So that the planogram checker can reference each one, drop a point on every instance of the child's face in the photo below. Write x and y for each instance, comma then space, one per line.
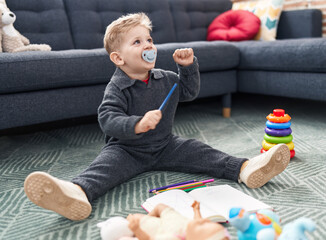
134, 42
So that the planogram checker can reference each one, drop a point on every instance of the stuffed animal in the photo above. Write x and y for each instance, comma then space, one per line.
265, 225
10, 39
296, 230
115, 228
262, 225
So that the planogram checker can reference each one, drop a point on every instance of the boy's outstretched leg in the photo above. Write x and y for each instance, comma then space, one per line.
62, 197
257, 171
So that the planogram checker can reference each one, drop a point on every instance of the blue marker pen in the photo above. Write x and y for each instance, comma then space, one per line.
168, 96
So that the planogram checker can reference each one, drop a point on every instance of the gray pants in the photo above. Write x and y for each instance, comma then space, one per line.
118, 163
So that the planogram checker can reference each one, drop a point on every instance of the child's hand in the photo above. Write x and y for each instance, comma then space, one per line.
196, 205
148, 122
133, 222
184, 56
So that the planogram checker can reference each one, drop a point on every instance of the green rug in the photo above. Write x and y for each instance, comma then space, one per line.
64, 152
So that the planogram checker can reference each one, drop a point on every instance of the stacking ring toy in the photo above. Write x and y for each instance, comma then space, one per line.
278, 132
278, 125
278, 119
267, 145
292, 152
272, 139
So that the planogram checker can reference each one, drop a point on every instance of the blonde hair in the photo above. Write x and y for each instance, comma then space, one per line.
115, 30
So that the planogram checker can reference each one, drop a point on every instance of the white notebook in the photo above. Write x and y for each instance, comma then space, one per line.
215, 202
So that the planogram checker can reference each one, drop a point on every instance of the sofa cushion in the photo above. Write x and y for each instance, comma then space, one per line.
309, 20
286, 84
192, 17
212, 56
268, 11
293, 55
43, 21
32, 71
89, 19
234, 25
217, 64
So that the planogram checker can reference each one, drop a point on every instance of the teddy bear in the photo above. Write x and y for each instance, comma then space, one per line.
10, 39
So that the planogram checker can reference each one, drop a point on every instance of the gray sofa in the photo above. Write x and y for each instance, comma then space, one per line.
69, 82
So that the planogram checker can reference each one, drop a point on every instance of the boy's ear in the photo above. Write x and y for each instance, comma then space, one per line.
116, 59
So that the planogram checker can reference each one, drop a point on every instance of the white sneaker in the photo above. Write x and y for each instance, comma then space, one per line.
264, 167
60, 196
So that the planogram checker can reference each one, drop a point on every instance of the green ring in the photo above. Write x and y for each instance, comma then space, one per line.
272, 139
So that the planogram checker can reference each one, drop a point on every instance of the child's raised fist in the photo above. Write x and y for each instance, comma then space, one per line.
184, 56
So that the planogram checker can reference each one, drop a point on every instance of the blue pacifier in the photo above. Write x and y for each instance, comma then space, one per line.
149, 55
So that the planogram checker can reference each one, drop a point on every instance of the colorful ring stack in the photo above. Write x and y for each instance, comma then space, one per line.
278, 131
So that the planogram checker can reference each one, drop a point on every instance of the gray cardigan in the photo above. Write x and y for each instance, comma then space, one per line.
127, 100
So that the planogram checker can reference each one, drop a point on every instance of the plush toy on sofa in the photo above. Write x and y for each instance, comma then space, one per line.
10, 39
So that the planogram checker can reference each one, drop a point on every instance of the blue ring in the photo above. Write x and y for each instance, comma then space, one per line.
278, 125
278, 132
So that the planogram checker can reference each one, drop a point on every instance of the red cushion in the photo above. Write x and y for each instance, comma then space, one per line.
234, 25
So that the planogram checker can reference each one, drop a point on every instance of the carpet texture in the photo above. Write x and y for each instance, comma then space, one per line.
64, 152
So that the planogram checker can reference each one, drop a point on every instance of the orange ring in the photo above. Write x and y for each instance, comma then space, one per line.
283, 119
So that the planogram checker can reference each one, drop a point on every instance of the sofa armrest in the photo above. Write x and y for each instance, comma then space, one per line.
300, 24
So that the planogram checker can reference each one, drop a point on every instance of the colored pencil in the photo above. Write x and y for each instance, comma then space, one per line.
182, 186
196, 186
168, 96
172, 185
189, 184
207, 181
190, 189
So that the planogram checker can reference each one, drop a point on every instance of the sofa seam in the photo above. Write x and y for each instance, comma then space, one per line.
49, 89
69, 23
47, 59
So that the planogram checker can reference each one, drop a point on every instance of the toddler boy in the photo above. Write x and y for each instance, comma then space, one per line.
139, 136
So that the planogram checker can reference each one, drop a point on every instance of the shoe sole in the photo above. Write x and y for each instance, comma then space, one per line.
275, 163
45, 191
